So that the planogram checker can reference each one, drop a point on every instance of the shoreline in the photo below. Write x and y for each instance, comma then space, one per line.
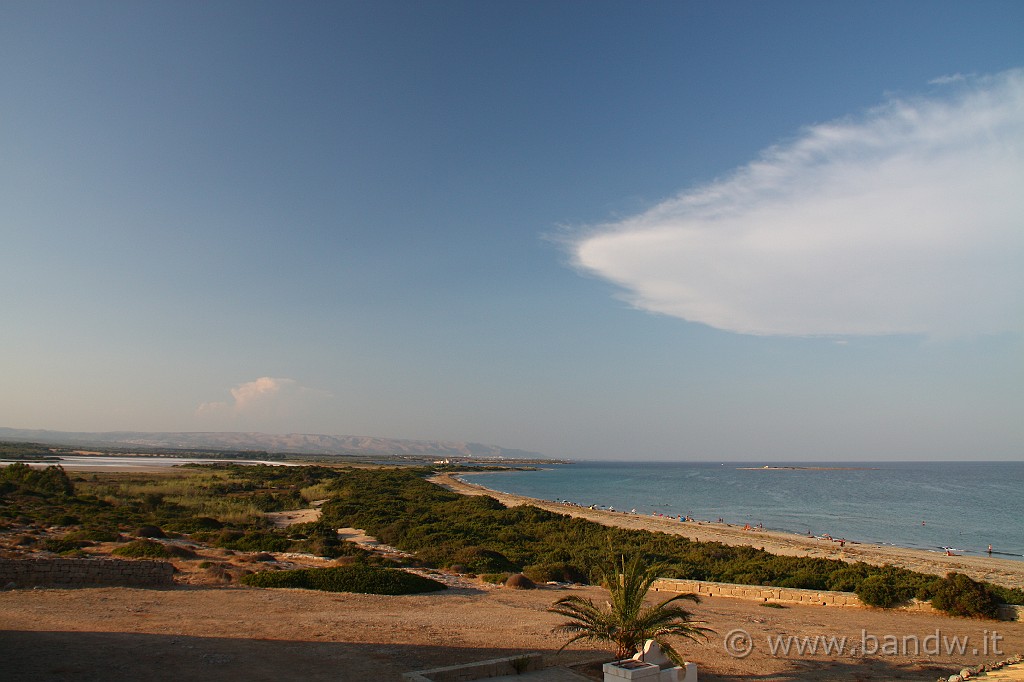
798, 468
1005, 572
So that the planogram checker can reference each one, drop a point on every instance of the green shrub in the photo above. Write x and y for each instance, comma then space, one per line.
927, 589
958, 595
21, 477
334, 548
847, 579
258, 541
59, 545
881, 590
558, 573
481, 560
97, 535
518, 581
195, 524
143, 549
181, 552
1008, 595
226, 537
355, 578
150, 531
805, 579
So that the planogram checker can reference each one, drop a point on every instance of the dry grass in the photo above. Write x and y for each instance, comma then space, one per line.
201, 492
319, 491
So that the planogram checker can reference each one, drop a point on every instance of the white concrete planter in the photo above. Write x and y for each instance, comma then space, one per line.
630, 669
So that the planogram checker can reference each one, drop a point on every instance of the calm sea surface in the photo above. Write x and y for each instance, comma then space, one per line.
925, 505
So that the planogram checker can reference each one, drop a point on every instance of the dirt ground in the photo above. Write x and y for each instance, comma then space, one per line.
230, 632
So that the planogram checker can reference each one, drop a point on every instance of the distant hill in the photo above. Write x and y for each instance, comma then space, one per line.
304, 443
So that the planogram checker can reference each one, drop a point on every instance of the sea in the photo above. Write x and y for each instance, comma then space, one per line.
960, 506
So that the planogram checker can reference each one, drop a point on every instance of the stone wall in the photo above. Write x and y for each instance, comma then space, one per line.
1010, 611
495, 667
784, 595
85, 572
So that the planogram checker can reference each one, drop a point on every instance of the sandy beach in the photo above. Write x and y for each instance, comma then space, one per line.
1007, 572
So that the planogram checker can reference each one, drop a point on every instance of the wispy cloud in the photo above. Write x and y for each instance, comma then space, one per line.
948, 79
263, 398
906, 219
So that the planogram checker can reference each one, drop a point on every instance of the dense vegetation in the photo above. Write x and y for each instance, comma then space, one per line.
224, 505
444, 529
20, 477
356, 578
27, 451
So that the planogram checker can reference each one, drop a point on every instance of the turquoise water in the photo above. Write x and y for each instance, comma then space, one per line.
926, 505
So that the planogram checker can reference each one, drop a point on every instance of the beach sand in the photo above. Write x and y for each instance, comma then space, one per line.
1006, 572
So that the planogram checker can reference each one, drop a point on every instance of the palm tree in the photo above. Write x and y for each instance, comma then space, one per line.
625, 621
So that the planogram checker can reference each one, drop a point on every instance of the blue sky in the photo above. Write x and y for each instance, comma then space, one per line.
659, 230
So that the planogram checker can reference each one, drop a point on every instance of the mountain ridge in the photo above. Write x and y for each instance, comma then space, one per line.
291, 443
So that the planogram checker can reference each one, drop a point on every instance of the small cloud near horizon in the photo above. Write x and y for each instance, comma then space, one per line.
908, 219
265, 398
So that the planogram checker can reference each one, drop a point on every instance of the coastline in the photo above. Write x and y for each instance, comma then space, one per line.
1006, 572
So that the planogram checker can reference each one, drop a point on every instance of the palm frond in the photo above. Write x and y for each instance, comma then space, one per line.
626, 621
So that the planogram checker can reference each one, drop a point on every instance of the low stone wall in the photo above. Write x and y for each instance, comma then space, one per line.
789, 595
758, 593
496, 667
85, 572
1010, 611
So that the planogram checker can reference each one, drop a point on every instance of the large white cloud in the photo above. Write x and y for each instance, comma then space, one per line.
906, 219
